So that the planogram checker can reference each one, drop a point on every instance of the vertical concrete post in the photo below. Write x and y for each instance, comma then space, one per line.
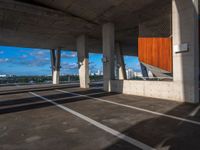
56, 75
108, 55
120, 63
55, 63
185, 37
83, 61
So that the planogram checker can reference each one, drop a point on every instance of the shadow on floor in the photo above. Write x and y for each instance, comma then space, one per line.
36, 89
49, 87
163, 133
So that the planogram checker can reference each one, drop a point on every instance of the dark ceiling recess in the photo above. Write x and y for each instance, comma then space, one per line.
35, 3
38, 4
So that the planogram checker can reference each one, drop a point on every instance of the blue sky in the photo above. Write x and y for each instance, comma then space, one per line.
29, 61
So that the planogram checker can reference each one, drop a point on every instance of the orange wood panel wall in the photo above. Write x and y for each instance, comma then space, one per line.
156, 52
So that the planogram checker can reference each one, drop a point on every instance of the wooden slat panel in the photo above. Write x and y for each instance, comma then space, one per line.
156, 52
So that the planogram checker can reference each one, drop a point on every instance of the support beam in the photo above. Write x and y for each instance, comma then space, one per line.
185, 37
83, 64
108, 55
55, 63
144, 70
120, 63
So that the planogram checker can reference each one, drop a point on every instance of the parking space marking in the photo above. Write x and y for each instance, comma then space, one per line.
59, 99
136, 108
77, 96
99, 125
195, 111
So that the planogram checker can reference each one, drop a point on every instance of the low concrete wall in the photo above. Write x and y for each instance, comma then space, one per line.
156, 89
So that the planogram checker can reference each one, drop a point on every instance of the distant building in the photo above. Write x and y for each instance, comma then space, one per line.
3, 75
92, 74
101, 73
137, 74
130, 73
98, 72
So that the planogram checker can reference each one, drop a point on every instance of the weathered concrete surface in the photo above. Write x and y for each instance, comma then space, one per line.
52, 24
42, 126
167, 90
28, 122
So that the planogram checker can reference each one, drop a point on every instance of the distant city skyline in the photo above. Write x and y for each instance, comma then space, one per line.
30, 61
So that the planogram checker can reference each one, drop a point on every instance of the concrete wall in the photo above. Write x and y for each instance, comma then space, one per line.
156, 89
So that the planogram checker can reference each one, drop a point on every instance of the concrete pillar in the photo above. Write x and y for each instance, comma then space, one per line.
120, 63
108, 55
83, 61
144, 70
186, 49
55, 63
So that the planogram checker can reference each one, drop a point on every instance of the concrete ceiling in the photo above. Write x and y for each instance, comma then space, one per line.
57, 23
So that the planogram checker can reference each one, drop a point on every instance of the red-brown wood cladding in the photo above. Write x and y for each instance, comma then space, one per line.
156, 52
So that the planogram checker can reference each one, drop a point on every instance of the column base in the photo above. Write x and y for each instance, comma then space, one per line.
56, 76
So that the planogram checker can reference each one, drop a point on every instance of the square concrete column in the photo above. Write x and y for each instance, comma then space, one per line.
186, 49
108, 55
55, 63
83, 61
120, 63
53, 60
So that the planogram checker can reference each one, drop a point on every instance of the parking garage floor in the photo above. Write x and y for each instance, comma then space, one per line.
69, 118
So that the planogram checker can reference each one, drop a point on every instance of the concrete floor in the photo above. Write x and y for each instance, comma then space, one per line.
31, 122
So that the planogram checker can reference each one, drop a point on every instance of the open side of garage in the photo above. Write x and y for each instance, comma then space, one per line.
166, 40
165, 37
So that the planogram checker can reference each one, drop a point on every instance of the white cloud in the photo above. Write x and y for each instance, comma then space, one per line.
94, 67
4, 60
66, 65
35, 62
71, 55
39, 53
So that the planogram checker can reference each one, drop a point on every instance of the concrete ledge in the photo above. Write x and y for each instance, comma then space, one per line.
155, 89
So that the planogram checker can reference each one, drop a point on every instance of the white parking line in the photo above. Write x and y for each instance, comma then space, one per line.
99, 125
195, 111
136, 108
